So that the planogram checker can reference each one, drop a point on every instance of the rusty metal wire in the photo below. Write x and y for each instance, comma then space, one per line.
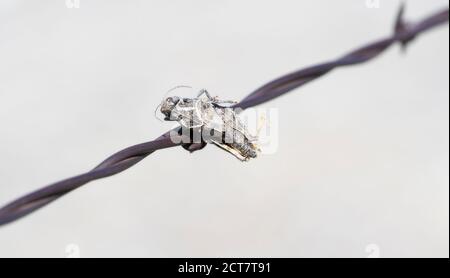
403, 33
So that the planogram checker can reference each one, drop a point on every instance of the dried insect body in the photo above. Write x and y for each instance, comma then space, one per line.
218, 123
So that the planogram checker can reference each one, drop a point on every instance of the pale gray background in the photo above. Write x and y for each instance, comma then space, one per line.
363, 156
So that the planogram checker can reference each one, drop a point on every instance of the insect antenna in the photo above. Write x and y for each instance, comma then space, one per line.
156, 110
177, 87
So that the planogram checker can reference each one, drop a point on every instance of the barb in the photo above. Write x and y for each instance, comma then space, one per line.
403, 33
122, 160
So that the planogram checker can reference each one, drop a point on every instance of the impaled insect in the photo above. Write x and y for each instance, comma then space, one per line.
216, 122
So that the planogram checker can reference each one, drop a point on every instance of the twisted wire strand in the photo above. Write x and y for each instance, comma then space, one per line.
116, 163
403, 33
124, 159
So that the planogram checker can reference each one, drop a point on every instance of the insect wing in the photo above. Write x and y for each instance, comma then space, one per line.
211, 117
232, 122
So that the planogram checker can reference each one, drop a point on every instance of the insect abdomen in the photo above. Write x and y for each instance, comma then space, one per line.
246, 149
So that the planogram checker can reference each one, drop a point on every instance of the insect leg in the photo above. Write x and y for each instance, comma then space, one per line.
205, 92
261, 124
227, 101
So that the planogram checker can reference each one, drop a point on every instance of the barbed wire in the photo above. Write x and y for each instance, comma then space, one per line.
403, 33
